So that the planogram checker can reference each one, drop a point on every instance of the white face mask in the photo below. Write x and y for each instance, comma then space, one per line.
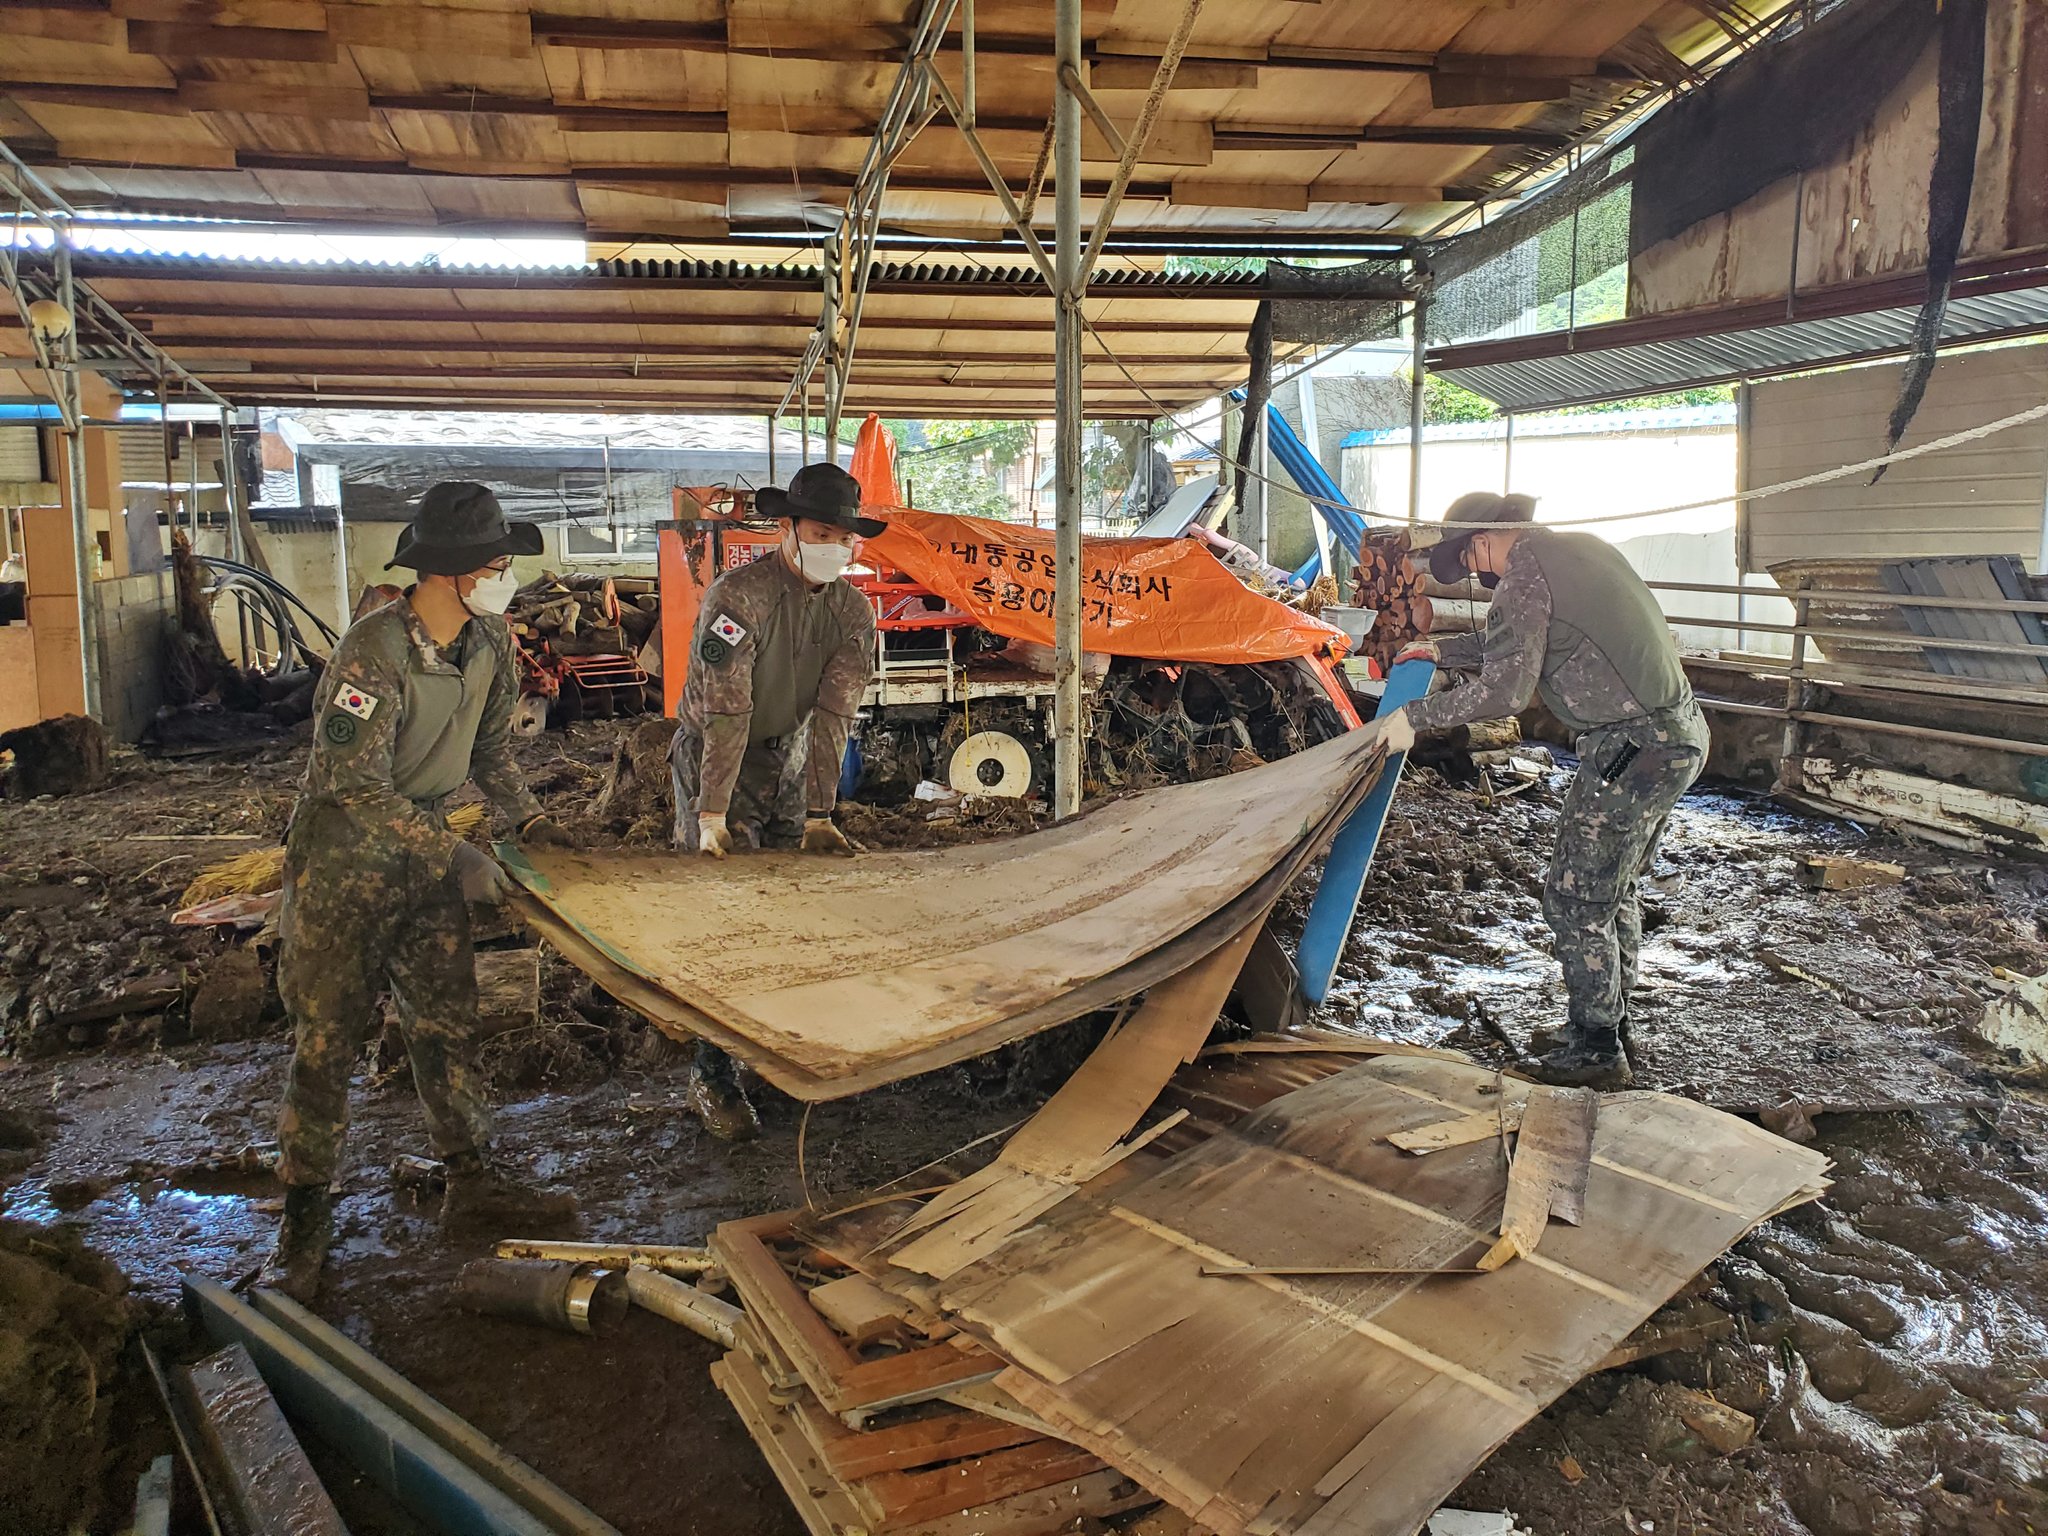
493, 594
821, 563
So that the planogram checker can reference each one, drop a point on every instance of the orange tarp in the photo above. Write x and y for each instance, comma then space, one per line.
874, 464
1169, 599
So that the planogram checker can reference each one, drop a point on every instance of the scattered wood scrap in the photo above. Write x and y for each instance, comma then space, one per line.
1834, 872
264, 1474
1553, 1158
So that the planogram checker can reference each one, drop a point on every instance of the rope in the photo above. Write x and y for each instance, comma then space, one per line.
1897, 456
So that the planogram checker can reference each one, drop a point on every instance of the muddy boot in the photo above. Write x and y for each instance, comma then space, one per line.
302, 1241
1543, 1041
1589, 1058
480, 1196
715, 1094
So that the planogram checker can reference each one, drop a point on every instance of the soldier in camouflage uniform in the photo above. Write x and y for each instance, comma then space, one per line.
1572, 622
783, 653
416, 700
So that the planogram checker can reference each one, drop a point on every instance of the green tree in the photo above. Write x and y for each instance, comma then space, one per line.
957, 466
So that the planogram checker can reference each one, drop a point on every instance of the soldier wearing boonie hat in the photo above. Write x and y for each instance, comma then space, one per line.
782, 656
416, 700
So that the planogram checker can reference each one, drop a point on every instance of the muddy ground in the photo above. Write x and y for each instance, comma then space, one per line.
1892, 1337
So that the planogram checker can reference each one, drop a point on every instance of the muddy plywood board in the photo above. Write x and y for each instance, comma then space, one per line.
1276, 1404
832, 976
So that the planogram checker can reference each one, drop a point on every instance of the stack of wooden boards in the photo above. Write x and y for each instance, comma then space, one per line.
914, 960
1386, 583
1312, 1298
877, 1421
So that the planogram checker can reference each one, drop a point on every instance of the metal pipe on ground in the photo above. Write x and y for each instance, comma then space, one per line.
670, 1260
705, 1316
556, 1293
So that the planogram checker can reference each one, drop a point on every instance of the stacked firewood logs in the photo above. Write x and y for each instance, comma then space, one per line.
586, 615
1387, 583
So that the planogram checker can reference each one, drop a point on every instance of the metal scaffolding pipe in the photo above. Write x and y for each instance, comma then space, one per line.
71, 386
1070, 283
1417, 400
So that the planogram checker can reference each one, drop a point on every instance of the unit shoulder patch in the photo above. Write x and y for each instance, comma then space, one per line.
714, 650
340, 729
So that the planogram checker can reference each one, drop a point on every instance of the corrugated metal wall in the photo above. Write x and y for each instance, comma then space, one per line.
1979, 498
21, 455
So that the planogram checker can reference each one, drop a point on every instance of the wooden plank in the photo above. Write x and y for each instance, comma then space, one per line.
843, 1381
1485, 1125
268, 1476
860, 1310
902, 1499
1553, 1157
290, 15
1067, 1141
174, 39
1328, 925
341, 103
1135, 73
1277, 1403
432, 28
852, 1454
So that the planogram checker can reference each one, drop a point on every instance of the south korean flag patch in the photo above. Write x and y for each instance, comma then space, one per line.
356, 702
727, 630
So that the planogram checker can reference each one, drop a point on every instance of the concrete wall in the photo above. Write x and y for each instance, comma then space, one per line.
136, 614
1575, 472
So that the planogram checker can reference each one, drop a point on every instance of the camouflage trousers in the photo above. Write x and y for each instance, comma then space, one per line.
1630, 776
353, 922
767, 807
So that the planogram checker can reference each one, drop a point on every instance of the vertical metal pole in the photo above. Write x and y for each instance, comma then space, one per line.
1417, 398
1743, 405
771, 448
1266, 481
163, 424
804, 404
1507, 457
84, 566
828, 323
1795, 690
231, 485
1066, 116
344, 601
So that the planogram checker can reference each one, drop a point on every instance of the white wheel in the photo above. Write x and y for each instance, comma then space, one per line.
990, 763
530, 715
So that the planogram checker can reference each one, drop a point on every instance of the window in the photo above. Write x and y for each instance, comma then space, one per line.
595, 541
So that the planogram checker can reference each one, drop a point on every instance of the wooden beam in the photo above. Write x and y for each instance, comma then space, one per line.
286, 15
142, 311
178, 40
947, 373
1135, 73
63, 24
1448, 90
604, 33
339, 103
249, 347
1503, 66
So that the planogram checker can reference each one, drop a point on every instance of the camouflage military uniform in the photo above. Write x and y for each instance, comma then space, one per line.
1572, 622
777, 671
369, 897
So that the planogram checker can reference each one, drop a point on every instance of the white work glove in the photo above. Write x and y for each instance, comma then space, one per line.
820, 836
713, 836
1395, 731
1418, 650
480, 875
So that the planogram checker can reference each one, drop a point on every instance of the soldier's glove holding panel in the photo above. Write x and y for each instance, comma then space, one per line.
481, 878
713, 836
820, 836
545, 832
1418, 650
1395, 731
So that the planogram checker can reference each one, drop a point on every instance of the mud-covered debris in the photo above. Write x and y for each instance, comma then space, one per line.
230, 1001
64, 1323
70, 755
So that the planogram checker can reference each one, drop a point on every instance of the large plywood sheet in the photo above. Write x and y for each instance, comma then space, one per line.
831, 976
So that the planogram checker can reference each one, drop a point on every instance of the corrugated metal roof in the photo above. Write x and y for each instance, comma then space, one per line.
1589, 373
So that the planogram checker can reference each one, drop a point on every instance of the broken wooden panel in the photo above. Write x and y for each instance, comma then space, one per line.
916, 960
1336, 1404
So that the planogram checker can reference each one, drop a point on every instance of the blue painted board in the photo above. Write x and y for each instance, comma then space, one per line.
1344, 872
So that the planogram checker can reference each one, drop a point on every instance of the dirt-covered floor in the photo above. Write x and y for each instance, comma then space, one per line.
1892, 1340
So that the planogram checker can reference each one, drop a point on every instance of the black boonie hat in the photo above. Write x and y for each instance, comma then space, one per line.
1447, 555
824, 493
459, 528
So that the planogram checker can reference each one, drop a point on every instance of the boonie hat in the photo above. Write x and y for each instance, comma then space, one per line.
824, 493
460, 528
1447, 555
